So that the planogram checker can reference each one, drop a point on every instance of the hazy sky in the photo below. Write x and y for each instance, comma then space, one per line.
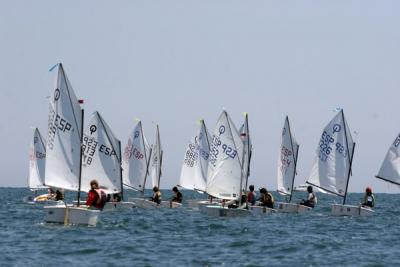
174, 62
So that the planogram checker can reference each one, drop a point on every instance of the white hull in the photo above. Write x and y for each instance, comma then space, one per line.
123, 205
349, 210
218, 211
291, 208
147, 204
260, 210
71, 215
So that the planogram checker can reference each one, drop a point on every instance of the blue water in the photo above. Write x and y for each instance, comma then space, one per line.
182, 237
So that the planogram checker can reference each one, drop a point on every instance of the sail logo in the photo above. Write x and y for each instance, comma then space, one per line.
397, 141
57, 94
136, 135
93, 129
337, 128
221, 130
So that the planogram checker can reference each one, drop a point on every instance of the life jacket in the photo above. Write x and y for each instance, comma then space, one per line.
157, 197
369, 200
271, 198
312, 198
251, 197
101, 199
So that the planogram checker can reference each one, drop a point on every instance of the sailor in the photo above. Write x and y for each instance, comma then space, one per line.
251, 196
311, 200
156, 195
178, 195
59, 195
116, 197
266, 198
369, 198
97, 198
235, 203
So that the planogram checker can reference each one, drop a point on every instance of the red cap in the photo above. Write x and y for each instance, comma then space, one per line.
80, 101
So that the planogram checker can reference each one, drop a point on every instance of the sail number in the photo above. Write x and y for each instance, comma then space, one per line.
286, 155
216, 144
132, 151
325, 147
192, 154
89, 147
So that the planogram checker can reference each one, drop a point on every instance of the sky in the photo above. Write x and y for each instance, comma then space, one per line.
174, 62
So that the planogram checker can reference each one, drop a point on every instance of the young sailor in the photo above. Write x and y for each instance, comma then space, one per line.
156, 195
235, 203
251, 196
97, 198
59, 195
266, 198
178, 195
311, 200
369, 198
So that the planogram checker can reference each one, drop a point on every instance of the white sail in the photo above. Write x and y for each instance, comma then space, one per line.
156, 161
63, 150
247, 149
136, 159
225, 173
101, 156
37, 162
332, 166
195, 163
390, 169
287, 160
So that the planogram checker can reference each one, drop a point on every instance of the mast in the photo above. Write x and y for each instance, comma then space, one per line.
240, 163
350, 158
80, 161
294, 158
145, 156
160, 154
120, 170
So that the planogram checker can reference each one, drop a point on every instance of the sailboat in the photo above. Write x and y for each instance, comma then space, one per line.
287, 162
225, 169
63, 152
332, 167
195, 165
390, 168
155, 175
37, 164
101, 160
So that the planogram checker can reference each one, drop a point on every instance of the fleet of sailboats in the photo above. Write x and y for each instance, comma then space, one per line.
216, 164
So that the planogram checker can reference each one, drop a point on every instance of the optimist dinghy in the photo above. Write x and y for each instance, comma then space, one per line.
63, 153
225, 170
332, 167
287, 162
154, 167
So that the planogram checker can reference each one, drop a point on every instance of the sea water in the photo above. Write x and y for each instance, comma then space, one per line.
185, 237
